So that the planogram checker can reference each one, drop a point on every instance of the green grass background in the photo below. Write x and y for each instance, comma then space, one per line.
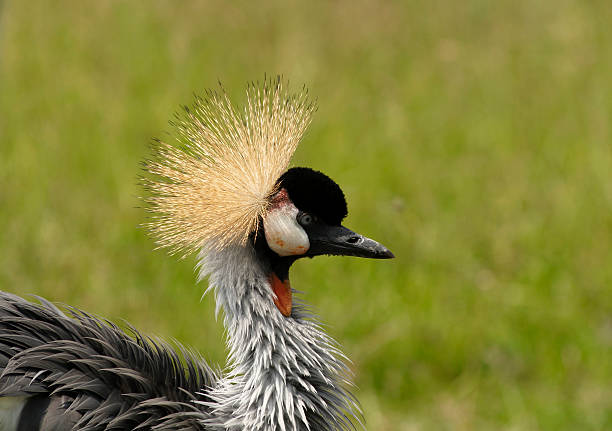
472, 138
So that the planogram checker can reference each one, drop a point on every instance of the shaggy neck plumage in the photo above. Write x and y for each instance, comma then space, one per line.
284, 372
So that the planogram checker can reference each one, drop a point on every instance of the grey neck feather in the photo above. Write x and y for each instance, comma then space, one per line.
284, 373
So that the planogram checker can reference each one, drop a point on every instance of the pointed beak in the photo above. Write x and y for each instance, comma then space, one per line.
340, 241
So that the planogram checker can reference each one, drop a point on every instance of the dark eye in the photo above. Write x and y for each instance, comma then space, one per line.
305, 219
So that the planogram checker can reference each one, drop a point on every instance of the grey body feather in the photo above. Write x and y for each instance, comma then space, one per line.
93, 375
284, 373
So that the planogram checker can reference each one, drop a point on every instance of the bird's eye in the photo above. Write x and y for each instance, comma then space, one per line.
305, 219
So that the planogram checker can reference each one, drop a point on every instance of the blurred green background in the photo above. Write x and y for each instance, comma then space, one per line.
472, 138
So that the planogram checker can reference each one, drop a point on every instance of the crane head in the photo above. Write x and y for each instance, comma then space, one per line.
224, 182
304, 220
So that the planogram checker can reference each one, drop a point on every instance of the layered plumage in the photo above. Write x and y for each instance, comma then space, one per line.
82, 373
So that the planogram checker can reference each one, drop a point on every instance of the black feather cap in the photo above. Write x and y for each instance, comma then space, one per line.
315, 193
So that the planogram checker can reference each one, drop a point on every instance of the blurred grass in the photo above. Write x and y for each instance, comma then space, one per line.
473, 138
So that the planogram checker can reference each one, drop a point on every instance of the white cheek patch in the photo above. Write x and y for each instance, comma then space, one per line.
283, 233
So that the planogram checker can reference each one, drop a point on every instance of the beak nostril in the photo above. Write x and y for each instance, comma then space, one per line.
353, 240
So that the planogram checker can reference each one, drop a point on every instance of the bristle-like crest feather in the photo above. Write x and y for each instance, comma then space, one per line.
212, 186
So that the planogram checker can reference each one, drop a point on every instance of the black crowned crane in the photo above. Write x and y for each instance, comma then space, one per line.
222, 191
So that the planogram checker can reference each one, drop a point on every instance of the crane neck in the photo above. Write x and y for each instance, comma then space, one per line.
284, 373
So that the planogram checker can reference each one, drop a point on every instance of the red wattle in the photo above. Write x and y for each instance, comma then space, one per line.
282, 290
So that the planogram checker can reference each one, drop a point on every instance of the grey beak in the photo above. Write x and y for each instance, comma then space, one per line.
340, 241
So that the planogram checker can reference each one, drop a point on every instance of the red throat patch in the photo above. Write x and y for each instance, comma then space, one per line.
282, 291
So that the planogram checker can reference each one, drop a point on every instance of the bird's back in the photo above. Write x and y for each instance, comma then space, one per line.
79, 372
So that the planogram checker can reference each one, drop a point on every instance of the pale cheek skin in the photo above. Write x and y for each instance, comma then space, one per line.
283, 233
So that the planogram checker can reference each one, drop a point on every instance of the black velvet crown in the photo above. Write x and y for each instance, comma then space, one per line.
315, 193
